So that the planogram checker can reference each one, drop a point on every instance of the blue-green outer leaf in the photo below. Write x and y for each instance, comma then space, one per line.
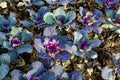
25, 48
4, 69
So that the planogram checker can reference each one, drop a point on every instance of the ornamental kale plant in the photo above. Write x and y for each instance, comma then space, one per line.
109, 72
91, 21
108, 3
83, 46
33, 2
52, 46
59, 17
113, 19
6, 24
36, 17
17, 42
37, 72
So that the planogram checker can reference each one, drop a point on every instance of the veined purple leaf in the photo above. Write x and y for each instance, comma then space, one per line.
75, 75
43, 10
92, 54
39, 45
17, 74
49, 32
43, 55
98, 13
38, 66
115, 58
99, 1
97, 30
48, 63
63, 56
81, 11
107, 73
49, 75
94, 43
77, 37
59, 72
25, 23
38, 2
31, 74
77, 52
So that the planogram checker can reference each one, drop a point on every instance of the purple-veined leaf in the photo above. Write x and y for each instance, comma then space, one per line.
107, 73
25, 23
63, 2
92, 54
49, 75
43, 10
81, 11
63, 56
17, 74
39, 45
38, 2
31, 73
94, 43
115, 58
99, 1
38, 66
48, 63
49, 32
77, 52
97, 30
75, 75
77, 37
59, 72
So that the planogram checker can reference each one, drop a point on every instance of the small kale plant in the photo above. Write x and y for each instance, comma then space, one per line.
83, 46
59, 17
6, 24
110, 72
52, 46
113, 20
36, 17
91, 20
17, 42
